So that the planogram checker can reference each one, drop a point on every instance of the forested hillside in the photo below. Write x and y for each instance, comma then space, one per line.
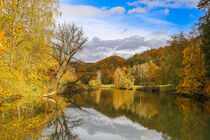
106, 66
181, 63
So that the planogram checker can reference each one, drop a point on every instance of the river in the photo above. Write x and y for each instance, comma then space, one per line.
113, 114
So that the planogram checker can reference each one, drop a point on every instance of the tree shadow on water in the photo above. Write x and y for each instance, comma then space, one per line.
61, 125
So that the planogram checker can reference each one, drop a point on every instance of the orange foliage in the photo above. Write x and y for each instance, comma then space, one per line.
194, 70
107, 67
3, 42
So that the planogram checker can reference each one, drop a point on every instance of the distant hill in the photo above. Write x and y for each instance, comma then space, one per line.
154, 55
107, 67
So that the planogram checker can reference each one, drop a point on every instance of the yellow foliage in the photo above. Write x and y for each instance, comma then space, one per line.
95, 83
146, 74
26, 28
22, 128
194, 70
69, 76
3, 42
25, 60
123, 79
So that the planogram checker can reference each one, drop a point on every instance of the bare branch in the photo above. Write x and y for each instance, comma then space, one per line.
69, 40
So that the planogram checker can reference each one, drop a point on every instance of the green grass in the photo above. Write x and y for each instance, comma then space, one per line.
168, 85
136, 87
107, 86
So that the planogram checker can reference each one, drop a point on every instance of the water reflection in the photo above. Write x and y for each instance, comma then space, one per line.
97, 126
60, 123
60, 127
20, 121
108, 114
169, 116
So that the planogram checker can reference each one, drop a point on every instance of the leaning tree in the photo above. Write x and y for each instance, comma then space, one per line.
69, 40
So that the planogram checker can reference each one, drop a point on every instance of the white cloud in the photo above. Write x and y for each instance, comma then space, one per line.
103, 22
118, 10
104, 28
117, 37
137, 10
125, 47
135, 3
165, 3
89, 11
81, 11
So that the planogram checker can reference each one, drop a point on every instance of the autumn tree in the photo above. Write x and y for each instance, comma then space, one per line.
96, 82
123, 79
3, 67
175, 57
28, 26
69, 41
3, 42
194, 71
146, 74
204, 26
137, 72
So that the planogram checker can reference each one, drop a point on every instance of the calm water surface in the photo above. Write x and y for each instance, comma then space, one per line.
111, 114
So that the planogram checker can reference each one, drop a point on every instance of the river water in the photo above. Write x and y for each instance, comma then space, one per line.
112, 114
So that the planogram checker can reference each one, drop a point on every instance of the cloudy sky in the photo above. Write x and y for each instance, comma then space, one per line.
126, 27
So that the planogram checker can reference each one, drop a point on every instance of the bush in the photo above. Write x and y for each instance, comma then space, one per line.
123, 79
95, 83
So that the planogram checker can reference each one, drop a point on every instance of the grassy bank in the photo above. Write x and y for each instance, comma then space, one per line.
155, 88
107, 86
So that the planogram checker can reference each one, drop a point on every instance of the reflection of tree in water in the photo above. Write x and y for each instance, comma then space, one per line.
176, 117
28, 121
62, 125
193, 123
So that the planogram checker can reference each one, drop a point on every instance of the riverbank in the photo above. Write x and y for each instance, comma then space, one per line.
156, 88
169, 88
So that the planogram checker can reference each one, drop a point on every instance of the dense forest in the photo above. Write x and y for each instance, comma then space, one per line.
182, 63
106, 66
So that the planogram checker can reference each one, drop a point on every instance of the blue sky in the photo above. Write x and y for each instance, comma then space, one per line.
109, 24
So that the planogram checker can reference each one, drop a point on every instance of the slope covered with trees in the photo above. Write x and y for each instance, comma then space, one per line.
106, 66
181, 63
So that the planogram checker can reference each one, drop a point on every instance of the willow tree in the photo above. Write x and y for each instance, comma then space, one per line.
69, 41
